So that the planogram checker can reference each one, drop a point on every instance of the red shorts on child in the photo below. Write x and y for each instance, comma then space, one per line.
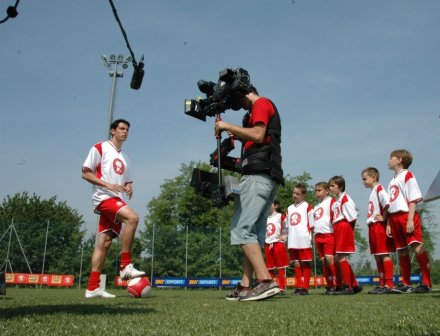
380, 243
276, 255
344, 237
108, 210
325, 244
401, 238
305, 254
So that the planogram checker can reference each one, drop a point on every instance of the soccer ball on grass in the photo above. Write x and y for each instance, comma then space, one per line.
139, 287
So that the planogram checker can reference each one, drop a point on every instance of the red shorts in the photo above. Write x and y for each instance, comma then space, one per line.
325, 244
344, 237
380, 243
108, 210
305, 254
276, 255
402, 239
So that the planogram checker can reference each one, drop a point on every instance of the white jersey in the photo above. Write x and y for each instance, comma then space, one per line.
110, 165
403, 189
274, 228
299, 218
323, 216
378, 201
346, 209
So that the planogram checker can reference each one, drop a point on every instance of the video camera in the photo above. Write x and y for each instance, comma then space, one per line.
232, 85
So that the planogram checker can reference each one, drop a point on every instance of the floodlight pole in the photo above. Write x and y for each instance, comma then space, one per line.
152, 253
81, 264
112, 64
45, 247
186, 254
112, 99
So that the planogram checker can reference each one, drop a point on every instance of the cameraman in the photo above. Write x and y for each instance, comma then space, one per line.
261, 176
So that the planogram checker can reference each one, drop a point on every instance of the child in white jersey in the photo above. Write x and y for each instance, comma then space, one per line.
343, 226
274, 247
299, 219
323, 232
381, 246
404, 223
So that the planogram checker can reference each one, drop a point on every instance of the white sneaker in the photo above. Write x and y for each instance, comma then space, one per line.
98, 292
129, 272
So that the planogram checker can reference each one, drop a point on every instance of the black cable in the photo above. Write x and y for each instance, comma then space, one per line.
11, 12
115, 13
138, 73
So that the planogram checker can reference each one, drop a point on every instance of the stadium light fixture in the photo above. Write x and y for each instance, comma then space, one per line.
112, 63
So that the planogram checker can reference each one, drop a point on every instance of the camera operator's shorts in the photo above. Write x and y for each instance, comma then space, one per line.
108, 212
252, 207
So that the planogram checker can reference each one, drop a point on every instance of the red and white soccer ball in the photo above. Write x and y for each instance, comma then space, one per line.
139, 287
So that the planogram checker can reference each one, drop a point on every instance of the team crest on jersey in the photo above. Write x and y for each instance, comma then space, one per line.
318, 213
337, 212
370, 209
394, 193
118, 166
270, 229
295, 219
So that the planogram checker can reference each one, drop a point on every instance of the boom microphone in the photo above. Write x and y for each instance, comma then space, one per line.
138, 75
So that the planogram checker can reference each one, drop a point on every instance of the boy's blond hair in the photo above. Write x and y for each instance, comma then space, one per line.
372, 172
405, 155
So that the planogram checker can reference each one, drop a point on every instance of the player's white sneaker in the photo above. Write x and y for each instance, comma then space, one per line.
98, 292
129, 272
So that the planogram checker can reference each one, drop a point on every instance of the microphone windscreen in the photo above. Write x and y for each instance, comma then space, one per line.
136, 80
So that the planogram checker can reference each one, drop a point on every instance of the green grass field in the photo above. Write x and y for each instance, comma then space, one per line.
46, 311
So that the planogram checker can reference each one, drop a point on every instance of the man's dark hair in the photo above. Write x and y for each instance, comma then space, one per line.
254, 90
115, 123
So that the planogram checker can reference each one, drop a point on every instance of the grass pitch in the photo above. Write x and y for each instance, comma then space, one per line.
56, 311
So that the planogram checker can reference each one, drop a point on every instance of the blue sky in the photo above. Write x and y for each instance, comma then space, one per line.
352, 80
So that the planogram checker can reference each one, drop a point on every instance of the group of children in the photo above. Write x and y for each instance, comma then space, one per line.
393, 225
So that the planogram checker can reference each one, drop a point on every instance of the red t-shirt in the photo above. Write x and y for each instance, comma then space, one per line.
262, 111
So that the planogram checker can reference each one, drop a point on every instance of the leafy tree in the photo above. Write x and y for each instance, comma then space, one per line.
178, 210
31, 216
435, 271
